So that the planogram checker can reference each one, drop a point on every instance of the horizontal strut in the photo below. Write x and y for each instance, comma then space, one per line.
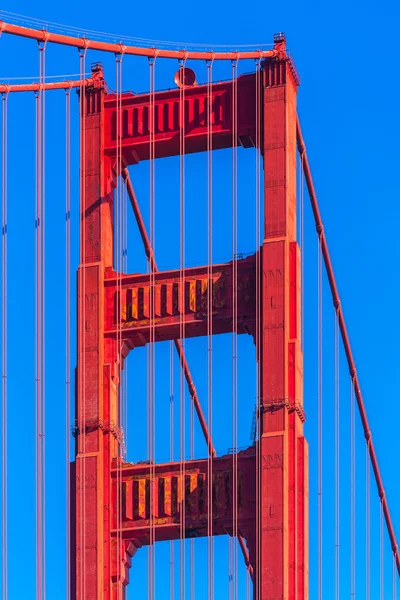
169, 497
127, 306
346, 343
167, 122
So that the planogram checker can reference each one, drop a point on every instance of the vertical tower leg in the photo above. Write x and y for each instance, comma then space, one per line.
97, 368
283, 450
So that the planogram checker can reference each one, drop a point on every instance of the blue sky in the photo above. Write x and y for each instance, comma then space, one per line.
347, 103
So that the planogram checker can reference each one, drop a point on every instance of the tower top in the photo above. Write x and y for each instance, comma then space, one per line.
279, 38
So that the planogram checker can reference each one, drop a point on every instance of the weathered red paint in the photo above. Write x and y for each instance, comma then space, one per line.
282, 532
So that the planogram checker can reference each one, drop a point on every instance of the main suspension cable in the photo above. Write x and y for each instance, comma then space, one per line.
83, 42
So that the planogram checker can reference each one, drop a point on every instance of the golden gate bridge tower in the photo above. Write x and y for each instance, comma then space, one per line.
258, 495
257, 296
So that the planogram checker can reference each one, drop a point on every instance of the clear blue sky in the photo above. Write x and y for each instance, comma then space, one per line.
346, 54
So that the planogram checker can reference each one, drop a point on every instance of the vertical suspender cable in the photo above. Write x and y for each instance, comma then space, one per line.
171, 458
4, 348
119, 266
192, 553
320, 422
337, 460
394, 577
43, 310
210, 331
152, 336
39, 334
352, 495
234, 335
302, 235
381, 555
37, 351
81, 325
125, 270
67, 335
348, 351
182, 295
257, 579
367, 524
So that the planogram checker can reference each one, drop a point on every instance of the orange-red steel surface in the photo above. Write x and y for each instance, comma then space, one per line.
277, 543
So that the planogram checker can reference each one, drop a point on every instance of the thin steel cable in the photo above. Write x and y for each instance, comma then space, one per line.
119, 266
37, 348
42, 99
151, 349
337, 460
352, 495
234, 234
68, 336
81, 470
230, 567
302, 237
171, 458
320, 423
182, 294
367, 524
210, 331
39, 334
381, 555
4, 347
394, 579
125, 270
258, 334
347, 347
192, 549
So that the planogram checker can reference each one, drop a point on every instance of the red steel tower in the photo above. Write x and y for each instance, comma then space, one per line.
114, 316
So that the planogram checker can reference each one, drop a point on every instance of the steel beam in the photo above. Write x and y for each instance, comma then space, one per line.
174, 492
136, 125
131, 295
